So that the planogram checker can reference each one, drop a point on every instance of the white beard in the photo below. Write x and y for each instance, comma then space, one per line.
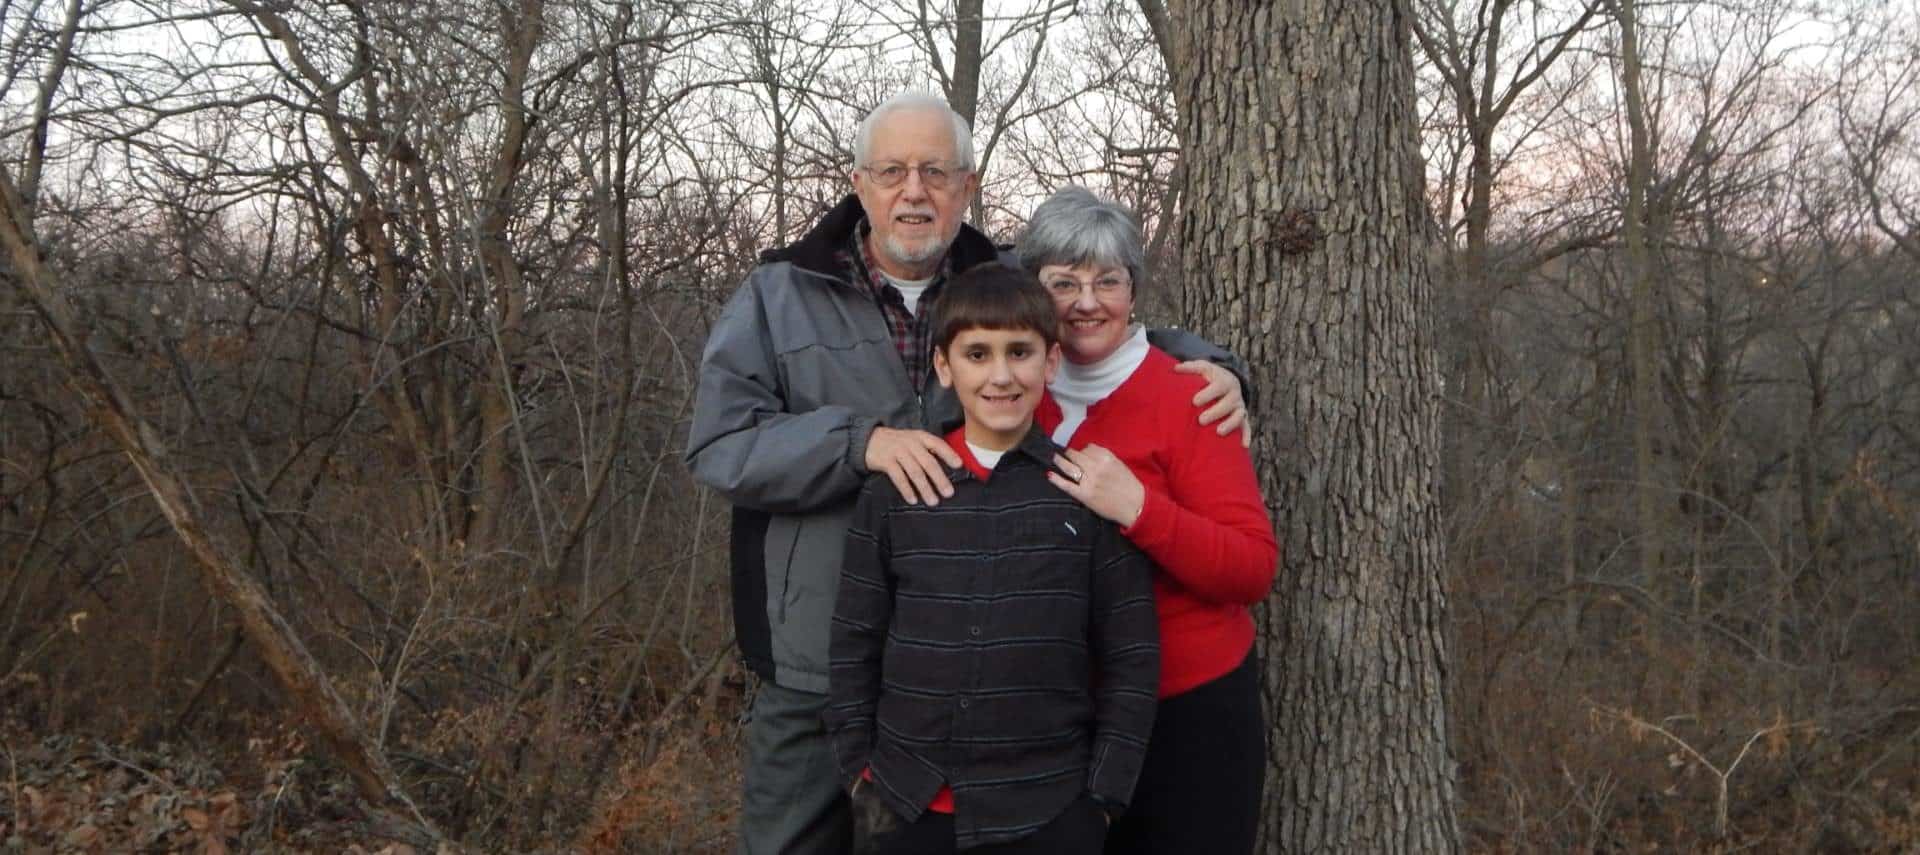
901, 253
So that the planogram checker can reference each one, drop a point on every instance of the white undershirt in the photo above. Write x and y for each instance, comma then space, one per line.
910, 290
1080, 386
988, 457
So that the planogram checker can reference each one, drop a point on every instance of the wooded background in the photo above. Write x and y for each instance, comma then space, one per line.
395, 308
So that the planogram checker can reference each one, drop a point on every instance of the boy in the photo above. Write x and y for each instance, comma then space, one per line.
994, 657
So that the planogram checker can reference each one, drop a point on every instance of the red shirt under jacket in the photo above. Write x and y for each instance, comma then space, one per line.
1203, 524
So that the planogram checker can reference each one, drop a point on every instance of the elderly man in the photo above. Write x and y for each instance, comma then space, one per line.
815, 376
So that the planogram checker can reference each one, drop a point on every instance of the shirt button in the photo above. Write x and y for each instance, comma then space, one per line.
973, 631
963, 703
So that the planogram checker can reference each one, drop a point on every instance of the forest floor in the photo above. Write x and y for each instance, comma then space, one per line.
256, 786
64, 794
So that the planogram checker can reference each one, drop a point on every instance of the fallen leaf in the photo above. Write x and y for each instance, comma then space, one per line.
196, 819
83, 836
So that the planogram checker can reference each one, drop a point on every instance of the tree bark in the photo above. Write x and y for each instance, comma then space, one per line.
1641, 327
521, 29
1306, 240
969, 26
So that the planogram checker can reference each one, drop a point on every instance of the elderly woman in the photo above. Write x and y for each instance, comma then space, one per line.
1186, 496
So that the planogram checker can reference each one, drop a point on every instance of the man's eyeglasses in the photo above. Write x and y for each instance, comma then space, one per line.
1067, 288
932, 175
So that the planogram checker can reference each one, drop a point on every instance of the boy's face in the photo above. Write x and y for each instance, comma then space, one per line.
999, 376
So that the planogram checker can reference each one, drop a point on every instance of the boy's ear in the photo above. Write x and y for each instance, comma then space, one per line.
945, 371
1053, 362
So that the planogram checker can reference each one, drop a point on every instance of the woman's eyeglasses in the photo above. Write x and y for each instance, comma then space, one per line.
1068, 288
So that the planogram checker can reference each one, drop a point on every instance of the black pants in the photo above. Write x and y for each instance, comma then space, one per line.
1078, 830
1205, 771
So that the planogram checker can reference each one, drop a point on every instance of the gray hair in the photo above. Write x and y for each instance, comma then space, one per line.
914, 100
1075, 226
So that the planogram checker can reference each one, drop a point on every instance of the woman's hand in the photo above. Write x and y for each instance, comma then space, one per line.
1101, 481
1228, 408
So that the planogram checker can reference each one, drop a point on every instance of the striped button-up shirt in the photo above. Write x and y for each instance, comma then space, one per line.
1002, 643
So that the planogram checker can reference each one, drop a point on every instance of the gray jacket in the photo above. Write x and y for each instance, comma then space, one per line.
798, 370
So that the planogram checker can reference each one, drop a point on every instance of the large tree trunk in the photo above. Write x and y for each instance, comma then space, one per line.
1305, 241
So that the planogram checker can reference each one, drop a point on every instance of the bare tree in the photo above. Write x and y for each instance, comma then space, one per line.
1877, 111
1486, 69
115, 412
403, 301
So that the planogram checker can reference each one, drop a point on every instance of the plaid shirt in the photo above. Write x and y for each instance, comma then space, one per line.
912, 336
1002, 643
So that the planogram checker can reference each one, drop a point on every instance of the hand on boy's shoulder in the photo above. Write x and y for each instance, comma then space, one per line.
1099, 479
880, 490
915, 461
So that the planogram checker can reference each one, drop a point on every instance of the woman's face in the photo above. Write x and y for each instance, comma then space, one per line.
1094, 302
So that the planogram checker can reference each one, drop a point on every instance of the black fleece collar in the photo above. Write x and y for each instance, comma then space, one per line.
817, 249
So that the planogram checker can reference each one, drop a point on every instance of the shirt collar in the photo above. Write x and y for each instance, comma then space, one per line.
1035, 446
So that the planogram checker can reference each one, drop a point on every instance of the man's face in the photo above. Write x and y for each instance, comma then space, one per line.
913, 223
999, 376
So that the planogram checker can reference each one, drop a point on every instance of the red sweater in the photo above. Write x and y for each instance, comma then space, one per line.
1204, 523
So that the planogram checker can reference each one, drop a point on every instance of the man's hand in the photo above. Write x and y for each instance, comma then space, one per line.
1101, 480
1223, 391
912, 460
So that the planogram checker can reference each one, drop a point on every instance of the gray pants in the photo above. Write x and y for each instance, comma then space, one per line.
792, 804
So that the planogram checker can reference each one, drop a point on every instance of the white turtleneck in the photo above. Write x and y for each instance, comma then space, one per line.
1078, 387
910, 290
988, 457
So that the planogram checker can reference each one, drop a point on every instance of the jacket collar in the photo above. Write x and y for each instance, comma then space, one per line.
816, 250
1036, 446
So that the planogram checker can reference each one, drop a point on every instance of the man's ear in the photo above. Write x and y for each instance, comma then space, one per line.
945, 372
1053, 362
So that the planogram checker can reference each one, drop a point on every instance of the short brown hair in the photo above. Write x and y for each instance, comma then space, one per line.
994, 297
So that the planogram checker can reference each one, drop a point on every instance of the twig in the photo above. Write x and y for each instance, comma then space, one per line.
1720, 776
219, 665
273, 808
667, 711
13, 784
100, 750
